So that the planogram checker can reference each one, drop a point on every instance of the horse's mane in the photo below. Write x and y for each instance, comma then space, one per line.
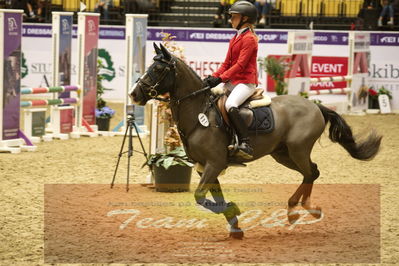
192, 70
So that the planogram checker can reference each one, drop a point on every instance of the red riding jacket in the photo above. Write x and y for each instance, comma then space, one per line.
240, 65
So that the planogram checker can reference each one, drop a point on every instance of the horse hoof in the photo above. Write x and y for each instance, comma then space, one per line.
293, 216
237, 235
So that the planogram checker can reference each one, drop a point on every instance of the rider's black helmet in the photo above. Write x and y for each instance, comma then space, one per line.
245, 8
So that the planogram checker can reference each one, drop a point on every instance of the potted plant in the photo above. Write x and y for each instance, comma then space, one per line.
103, 112
373, 96
171, 168
277, 68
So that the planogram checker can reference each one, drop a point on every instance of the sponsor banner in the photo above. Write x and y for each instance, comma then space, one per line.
384, 39
328, 66
44, 31
187, 35
331, 38
322, 66
64, 54
90, 68
91, 223
11, 75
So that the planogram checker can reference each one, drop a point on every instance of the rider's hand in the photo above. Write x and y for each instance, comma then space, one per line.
212, 81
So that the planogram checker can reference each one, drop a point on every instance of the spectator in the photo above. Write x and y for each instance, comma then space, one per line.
368, 15
102, 6
35, 9
264, 8
387, 9
224, 6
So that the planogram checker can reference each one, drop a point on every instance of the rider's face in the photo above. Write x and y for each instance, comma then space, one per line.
235, 19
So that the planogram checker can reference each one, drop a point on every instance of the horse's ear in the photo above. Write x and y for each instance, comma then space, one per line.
166, 53
157, 50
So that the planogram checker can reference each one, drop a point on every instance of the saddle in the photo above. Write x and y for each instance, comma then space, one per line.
255, 111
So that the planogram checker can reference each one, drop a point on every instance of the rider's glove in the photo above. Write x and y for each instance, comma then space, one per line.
212, 81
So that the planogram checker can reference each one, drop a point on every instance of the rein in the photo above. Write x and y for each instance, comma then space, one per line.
152, 93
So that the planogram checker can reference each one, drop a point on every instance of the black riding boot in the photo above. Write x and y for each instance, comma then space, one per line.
244, 150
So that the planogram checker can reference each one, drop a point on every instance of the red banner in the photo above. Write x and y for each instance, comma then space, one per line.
322, 66
90, 66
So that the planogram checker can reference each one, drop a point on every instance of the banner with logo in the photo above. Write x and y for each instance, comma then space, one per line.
136, 38
11, 74
205, 49
63, 52
88, 73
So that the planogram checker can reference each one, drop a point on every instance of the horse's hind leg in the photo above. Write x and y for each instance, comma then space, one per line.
299, 159
300, 155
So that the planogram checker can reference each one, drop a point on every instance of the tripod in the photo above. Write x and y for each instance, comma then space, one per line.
129, 129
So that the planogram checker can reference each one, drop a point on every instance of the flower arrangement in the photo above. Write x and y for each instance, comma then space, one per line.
373, 94
277, 68
102, 111
105, 112
174, 153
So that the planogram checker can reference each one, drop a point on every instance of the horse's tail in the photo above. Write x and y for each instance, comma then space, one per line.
341, 132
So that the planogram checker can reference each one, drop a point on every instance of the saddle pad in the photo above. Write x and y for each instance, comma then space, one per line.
263, 120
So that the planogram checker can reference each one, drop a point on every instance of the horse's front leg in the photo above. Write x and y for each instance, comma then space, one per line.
210, 182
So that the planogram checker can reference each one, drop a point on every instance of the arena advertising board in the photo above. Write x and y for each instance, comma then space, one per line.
205, 50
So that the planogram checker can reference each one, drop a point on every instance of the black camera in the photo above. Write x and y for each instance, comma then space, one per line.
130, 109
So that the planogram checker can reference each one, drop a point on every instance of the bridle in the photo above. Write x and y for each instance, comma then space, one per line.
152, 92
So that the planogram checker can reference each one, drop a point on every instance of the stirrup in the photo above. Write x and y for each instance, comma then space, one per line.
245, 151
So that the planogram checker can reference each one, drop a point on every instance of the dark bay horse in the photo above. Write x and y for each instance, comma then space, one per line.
298, 124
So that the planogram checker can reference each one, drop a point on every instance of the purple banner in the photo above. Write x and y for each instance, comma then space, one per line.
44, 31
12, 74
331, 38
384, 39
155, 34
190, 35
65, 53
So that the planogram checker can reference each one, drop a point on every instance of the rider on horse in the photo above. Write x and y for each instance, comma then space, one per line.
239, 70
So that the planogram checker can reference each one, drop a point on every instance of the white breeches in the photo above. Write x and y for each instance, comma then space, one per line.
238, 94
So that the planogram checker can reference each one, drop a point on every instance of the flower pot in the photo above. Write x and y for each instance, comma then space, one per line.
373, 103
103, 123
176, 179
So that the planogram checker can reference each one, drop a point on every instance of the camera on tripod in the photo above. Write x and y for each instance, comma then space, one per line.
130, 110
130, 125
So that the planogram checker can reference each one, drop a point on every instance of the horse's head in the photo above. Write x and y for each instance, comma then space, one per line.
157, 80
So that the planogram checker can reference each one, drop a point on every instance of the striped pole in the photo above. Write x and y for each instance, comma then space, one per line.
334, 79
330, 91
48, 102
49, 89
